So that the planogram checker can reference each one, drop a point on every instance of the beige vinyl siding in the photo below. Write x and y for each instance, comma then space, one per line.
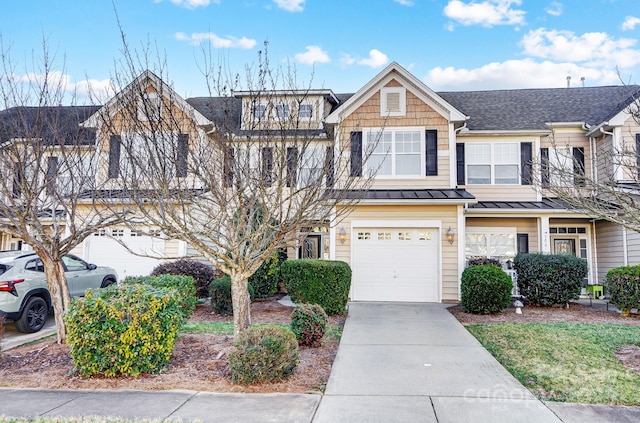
502, 192
633, 247
563, 138
604, 168
610, 247
417, 114
523, 225
447, 215
172, 248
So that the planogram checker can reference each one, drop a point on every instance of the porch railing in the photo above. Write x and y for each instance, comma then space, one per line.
515, 292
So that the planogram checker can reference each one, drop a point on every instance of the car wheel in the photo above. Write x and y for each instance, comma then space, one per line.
33, 316
107, 282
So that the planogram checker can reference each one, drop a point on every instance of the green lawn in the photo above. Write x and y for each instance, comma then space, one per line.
570, 362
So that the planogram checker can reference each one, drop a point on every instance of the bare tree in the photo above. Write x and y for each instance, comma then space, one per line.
47, 167
610, 188
236, 175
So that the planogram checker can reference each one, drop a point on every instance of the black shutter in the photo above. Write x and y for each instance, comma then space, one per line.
292, 166
460, 163
544, 167
52, 171
229, 161
267, 166
329, 167
578, 166
523, 243
526, 166
431, 140
638, 154
18, 179
356, 154
182, 155
115, 142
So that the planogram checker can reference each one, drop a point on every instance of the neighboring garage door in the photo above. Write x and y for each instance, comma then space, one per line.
102, 249
396, 264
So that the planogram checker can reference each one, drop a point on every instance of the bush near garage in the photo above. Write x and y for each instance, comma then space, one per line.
201, 273
486, 289
623, 286
221, 300
322, 282
265, 280
550, 279
127, 330
184, 287
309, 324
263, 354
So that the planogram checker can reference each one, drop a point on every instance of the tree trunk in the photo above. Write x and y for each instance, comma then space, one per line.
241, 303
60, 298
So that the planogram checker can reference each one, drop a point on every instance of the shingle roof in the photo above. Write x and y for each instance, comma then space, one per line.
530, 109
225, 112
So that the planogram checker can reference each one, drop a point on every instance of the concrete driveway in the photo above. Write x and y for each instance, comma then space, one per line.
12, 338
416, 362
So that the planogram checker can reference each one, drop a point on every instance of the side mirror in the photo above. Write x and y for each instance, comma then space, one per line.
92, 266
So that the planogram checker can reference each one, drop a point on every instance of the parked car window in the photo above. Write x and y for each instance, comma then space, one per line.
34, 265
73, 264
4, 268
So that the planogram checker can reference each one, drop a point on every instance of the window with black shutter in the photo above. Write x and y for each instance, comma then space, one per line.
638, 154
267, 166
526, 165
356, 154
329, 167
182, 155
578, 167
460, 163
544, 167
115, 142
18, 180
431, 139
292, 166
52, 171
229, 162
523, 243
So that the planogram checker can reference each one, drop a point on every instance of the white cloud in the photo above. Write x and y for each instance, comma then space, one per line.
347, 59
312, 54
98, 91
511, 74
375, 60
554, 9
630, 23
405, 2
591, 48
191, 4
486, 13
290, 5
216, 41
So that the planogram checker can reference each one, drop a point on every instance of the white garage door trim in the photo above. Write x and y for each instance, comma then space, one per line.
430, 224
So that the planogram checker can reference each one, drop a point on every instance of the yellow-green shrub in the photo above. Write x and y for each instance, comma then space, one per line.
127, 330
184, 287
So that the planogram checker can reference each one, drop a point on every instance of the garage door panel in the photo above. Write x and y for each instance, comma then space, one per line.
396, 264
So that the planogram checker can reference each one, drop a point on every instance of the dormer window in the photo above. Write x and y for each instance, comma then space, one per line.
306, 111
149, 107
393, 101
258, 111
282, 111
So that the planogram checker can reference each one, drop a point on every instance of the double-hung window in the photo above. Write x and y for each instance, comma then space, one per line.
499, 243
493, 163
395, 152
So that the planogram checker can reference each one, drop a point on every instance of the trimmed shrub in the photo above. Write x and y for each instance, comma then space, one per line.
263, 354
126, 330
201, 273
265, 280
623, 285
549, 279
181, 284
322, 282
220, 291
309, 324
485, 289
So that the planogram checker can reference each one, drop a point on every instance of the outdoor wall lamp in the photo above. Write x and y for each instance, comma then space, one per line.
342, 235
450, 235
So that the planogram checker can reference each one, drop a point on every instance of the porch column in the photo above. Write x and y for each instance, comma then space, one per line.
462, 259
543, 235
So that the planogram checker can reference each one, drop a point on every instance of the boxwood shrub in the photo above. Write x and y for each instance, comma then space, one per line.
265, 280
322, 282
623, 286
263, 354
201, 273
485, 289
309, 324
126, 330
549, 279
184, 287
221, 300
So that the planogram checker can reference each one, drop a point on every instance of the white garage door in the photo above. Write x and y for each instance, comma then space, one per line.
396, 264
102, 249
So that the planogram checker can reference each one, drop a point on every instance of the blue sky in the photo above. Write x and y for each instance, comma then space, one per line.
340, 45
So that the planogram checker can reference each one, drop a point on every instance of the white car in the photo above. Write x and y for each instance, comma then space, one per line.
24, 295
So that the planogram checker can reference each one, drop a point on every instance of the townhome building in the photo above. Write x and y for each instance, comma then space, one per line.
457, 175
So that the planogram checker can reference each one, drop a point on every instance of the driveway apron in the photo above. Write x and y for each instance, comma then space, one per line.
401, 362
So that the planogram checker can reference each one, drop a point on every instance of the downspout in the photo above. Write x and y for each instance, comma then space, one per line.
595, 253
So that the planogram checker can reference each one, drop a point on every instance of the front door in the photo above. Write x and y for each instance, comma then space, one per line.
575, 245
